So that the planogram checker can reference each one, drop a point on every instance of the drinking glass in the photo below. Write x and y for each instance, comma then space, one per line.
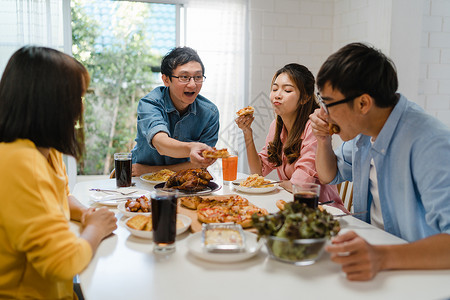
229, 168
307, 193
164, 220
122, 164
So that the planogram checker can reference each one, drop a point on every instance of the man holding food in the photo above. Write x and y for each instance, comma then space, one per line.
175, 124
397, 156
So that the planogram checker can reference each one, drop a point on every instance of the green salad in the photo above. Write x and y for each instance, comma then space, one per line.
296, 221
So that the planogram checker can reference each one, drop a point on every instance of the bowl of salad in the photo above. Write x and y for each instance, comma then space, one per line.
297, 234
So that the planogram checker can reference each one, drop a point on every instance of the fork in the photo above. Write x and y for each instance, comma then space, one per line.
114, 191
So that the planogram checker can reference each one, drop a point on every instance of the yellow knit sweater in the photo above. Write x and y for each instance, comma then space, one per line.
39, 255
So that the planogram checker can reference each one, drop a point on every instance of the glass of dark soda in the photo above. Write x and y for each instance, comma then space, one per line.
122, 164
307, 193
164, 220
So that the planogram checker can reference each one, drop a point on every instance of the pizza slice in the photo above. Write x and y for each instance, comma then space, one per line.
245, 111
216, 153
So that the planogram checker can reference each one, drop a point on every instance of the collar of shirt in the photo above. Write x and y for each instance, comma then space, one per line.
170, 108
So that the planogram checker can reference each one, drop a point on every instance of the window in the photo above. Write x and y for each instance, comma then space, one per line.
121, 43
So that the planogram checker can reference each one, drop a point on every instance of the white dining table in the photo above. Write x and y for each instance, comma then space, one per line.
125, 267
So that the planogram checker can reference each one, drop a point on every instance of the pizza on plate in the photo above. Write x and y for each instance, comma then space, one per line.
233, 209
245, 111
255, 180
216, 153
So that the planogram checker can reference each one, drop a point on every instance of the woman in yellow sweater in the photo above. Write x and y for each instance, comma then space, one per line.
40, 106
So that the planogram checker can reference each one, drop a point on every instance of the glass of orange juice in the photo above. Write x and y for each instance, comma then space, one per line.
229, 168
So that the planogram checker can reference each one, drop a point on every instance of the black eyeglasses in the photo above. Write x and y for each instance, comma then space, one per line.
186, 79
325, 105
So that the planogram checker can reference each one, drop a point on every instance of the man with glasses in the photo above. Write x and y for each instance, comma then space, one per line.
397, 156
175, 124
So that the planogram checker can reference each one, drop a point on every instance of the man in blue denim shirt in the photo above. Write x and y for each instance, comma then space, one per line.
397, 156
175, 124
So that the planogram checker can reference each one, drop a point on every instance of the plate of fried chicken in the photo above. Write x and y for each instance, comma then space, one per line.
190, 181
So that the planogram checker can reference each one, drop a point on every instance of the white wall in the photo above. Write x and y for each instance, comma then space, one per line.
282, 32
434, 82
414, 33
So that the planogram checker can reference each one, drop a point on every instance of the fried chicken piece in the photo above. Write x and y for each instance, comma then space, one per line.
189, 180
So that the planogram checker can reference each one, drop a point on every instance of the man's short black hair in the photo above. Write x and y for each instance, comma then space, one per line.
179, 56
40, 99
358, 69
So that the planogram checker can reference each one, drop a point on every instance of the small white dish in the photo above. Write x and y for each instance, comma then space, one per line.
253, 190
113, 199
196, 248
126, 213
149, 234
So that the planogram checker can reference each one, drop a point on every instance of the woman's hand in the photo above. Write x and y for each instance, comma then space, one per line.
245, 122
101, 220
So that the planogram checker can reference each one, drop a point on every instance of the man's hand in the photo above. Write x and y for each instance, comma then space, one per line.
319, 124
360, 260
197, 159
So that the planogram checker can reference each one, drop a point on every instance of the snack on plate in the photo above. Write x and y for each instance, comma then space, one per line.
161, 175
216, 153
223, 237
191, 180
245, 111
254, 180
333, 128
138, 222
144, 223
141, 204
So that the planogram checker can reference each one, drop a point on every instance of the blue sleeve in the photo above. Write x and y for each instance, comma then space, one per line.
151, 119
431, 172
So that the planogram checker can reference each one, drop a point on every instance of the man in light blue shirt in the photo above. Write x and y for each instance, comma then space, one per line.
175, 124
397, 156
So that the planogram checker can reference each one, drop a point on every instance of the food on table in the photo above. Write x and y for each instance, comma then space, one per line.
333, 128
295, 222
216, 153
141, 204
141, 222
189, 180
223, 237
281, 204
256, 181
161, 175
245, 111
233, 209
138, 222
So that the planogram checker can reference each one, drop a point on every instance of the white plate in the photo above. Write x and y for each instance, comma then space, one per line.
254, 190
252, 246
149, 234
150, 181
126, 213
113, 199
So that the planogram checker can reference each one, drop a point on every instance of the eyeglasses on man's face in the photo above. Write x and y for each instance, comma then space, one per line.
325, 105
186, 79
